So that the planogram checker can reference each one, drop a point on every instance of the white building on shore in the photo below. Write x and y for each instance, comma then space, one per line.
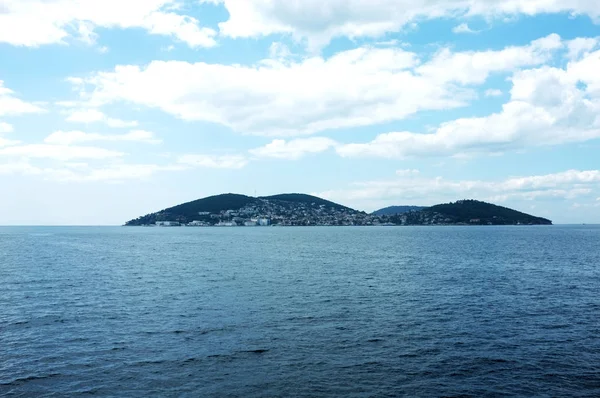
226, 224
167, 224
198, 224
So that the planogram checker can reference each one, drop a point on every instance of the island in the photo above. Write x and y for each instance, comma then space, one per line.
294, 209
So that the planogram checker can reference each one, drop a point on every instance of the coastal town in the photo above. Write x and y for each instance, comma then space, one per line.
233, 210
278, 213
264, 212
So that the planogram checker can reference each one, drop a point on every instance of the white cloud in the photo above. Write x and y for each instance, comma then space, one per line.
18, 168
65, 167
463, 28
122, 172
569, 177
6, 142
570, 184
58, 152
279, 50
213, 161
95, 116
474, 67
82, 172
391, 43
6, 128
493, 92
76, 81
34, 23
547, 107
407, 172
11, 105
319, 21
294, 149
290, 98
581, 45
69, 104
77, 137
578, 205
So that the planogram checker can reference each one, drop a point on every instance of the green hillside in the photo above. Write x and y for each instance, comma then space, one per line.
287, 203
305, 199
187, 212
477, 212
393, 210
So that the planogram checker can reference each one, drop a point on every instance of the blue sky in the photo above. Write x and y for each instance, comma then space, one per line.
113, 109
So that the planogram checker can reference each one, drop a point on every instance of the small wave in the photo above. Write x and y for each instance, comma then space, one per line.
367, 364
92, 391
556, 326
257, 351
78, 340
301, 318
185, 331
23, 380
146, 363
497, 360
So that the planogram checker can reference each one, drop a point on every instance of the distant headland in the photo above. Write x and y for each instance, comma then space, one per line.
306, 210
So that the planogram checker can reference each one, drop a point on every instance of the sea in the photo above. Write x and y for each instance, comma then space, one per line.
494, 311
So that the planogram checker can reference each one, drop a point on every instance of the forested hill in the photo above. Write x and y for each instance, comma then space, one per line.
471, 212
189, 211
303, 198
393, 210
286, 209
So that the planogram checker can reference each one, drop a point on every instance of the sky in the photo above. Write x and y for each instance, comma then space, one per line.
114, 109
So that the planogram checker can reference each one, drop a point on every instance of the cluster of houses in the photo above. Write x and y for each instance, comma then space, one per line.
280, 213
261, 222
266, 212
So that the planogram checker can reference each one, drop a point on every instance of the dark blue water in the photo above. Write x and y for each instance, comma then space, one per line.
357, 312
